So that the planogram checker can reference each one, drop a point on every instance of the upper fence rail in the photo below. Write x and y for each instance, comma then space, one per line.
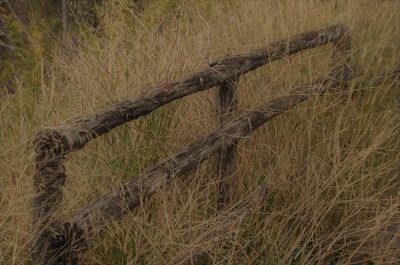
58, 242
78, 132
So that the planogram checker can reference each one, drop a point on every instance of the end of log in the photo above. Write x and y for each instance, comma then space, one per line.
50, 143
56, 141
59, 246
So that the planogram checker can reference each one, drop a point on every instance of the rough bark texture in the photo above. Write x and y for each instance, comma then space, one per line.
226, 160
53, 143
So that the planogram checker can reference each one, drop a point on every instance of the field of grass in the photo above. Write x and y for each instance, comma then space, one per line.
331, 164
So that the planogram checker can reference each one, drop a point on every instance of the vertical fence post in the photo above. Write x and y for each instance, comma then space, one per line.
48, 183
226, 160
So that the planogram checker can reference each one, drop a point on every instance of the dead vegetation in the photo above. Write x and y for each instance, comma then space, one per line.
331, 165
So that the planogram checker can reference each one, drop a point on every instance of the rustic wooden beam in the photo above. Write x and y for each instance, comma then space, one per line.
48, 183
226, 157
80, 131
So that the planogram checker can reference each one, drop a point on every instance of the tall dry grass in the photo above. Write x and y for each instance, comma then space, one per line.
331, 165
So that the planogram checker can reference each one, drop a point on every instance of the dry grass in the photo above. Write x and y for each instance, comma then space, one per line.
331, 165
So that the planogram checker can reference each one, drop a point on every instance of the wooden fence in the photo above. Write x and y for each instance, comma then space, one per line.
60, 242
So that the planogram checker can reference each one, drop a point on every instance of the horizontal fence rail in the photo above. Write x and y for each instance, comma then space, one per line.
60, 242
113, 205
76, 133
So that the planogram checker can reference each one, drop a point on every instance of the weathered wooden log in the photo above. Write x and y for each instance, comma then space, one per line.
226, 160
113, 205
48, 182
80, 131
